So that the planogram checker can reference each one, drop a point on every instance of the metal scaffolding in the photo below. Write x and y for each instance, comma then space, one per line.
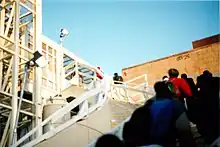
20, 37
20, 30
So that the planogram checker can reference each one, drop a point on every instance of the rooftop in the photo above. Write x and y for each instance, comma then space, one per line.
197, 44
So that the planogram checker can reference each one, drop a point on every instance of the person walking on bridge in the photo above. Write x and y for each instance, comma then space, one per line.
181, 87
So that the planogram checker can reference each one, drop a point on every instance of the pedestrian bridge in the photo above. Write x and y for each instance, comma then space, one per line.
40, 106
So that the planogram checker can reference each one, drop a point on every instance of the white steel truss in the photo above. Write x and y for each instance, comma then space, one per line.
20, 36
20, 30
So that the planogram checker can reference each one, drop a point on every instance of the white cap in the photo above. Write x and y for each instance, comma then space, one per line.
166, 79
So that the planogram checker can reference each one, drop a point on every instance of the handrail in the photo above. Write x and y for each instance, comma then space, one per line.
129, 88
125, 86
61, 112
92, 69
134, 79
127, 97
144, 75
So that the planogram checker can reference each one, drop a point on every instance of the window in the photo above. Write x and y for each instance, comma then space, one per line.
54, 53
30, 46
50, 59
44, 47
50, 49
54, 66
44, 72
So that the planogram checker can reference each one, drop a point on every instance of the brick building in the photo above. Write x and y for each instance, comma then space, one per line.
204, 55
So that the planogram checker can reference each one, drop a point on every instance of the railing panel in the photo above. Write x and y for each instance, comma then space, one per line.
62, 112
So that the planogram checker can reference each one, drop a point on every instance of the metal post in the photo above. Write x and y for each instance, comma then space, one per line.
14, 101
19, 105
61, 65
146, 79
126, 92
61, 75
77, 73
96, 85
95, 81
4, 136
38, 71
58, 69
2, 23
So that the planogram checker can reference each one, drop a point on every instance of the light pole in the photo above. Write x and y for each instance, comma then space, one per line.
63, 34
39, 61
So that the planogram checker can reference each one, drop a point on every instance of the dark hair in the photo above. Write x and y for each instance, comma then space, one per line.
162, 90
173, 72
109, 140
207, 73
115, 74
184, 76
136, 132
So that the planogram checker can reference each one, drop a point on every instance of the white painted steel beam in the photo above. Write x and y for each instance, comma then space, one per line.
38, 71
14, 101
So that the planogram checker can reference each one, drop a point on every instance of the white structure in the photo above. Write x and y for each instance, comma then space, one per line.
45, 111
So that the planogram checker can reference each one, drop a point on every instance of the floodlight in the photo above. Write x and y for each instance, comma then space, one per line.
38, 60
63, 33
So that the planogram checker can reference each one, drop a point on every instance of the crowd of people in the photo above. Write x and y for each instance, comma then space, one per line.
164, 121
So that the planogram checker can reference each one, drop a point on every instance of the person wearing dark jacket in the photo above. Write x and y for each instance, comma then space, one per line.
109, 140
117, 78
208, 92
191, 83
159, 121
191, 102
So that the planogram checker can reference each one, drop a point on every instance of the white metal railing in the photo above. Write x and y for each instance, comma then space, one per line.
123, 90
84, 110
83, 99
131, 83
96, 89
137, 78
127, 94
78, 76
127, 90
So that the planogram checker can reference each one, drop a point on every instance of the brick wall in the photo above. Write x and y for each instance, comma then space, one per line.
192, 62
206, 41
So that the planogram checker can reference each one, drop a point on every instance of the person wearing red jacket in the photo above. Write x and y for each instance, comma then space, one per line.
182, 89
98, 75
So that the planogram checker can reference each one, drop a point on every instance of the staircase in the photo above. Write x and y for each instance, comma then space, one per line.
97, 122
66, 77
93, 119
95, 100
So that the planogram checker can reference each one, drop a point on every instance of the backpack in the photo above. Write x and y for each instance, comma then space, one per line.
171, 87
175, 88
145, 127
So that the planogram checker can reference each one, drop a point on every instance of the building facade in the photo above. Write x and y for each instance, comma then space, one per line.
203, 56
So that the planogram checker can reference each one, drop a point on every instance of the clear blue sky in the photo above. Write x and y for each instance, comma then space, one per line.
116, 34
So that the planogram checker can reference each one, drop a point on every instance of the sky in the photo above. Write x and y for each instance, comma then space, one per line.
118, 34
